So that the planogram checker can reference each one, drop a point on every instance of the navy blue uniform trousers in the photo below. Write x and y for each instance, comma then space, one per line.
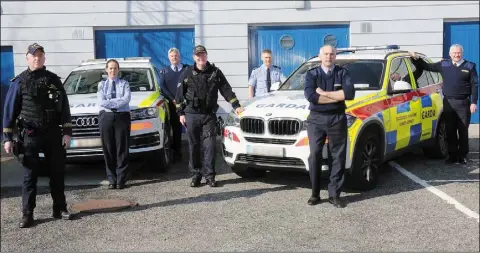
201, 129
115, 134
457, 115
319, 127
50, 143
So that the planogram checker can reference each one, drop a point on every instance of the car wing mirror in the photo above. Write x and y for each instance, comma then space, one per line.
401, 87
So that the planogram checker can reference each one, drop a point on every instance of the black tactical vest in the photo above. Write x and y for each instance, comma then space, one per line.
202, 91
37, 92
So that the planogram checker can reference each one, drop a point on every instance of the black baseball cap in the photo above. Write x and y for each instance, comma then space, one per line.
199, 49
34, 47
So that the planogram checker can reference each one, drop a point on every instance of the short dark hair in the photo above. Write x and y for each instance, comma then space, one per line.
268, 51
112, 60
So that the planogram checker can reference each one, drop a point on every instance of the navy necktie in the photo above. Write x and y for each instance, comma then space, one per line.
269, 81
176, 69
114, 90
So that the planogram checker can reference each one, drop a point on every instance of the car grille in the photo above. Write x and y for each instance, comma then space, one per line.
252, 125
270, 141
285, 161
284, 126
85, 126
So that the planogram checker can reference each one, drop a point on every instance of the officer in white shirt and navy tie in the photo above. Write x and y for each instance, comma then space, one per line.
114, 122
264, 76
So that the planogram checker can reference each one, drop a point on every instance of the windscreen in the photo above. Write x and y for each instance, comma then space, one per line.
86, 81
365, 74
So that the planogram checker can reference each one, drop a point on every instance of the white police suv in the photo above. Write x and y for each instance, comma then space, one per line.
150, 131
396, 106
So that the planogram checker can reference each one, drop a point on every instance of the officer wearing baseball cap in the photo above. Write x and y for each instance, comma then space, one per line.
197, 97
37, 104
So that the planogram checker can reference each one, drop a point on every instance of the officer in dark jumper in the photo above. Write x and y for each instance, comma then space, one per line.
460, 96
326, 88
196, 102
168, 86
37, 104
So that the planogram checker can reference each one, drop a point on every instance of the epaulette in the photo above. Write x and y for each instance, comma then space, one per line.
275, 66
469, 65
52, 74
256, 68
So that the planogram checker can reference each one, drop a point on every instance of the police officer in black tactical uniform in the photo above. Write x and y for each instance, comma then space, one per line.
196, 98
36, 103
326, 88
460, 91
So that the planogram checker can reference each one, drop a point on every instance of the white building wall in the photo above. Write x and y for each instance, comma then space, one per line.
66, 29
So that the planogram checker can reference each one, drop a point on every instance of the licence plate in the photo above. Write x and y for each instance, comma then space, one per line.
86, 143
265, 151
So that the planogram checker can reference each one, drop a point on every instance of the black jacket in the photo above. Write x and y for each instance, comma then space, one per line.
197, 90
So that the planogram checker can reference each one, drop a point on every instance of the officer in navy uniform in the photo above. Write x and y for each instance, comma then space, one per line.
264, 76
37, 104
197, 96
460, 96
326, 88
168, 86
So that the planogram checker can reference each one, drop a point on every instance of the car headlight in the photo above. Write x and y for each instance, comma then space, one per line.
350, 120
232, 119
144, 113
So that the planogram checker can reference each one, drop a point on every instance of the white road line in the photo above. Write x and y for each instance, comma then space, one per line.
436, 191
452, 181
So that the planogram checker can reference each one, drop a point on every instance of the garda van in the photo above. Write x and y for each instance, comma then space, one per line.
150, 132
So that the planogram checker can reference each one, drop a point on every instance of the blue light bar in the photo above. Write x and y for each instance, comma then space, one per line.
364, 48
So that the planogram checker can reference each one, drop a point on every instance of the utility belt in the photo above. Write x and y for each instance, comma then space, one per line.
34, 128
201, 105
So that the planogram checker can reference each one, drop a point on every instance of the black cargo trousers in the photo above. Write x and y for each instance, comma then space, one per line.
49, 141
201, 130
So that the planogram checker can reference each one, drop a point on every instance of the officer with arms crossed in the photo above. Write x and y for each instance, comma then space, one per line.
168, 85
37, 103
326, 88
114, 121
197, 96
460, 90
262, 77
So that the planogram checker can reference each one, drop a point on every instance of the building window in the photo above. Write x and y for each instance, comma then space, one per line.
330, 39
287, 42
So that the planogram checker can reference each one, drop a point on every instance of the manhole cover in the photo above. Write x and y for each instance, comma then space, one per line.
102, 205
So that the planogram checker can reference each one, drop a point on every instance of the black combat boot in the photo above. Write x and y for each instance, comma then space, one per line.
195, 182
27, 220
65, 215
212, 183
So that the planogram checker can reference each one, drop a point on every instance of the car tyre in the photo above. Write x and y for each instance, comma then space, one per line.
247, 172
366, 162
161, 159
439, 149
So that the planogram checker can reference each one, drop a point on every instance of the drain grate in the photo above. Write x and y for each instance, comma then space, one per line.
102, 205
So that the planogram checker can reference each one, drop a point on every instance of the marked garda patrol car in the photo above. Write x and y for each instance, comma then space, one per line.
150, 132
396, 106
